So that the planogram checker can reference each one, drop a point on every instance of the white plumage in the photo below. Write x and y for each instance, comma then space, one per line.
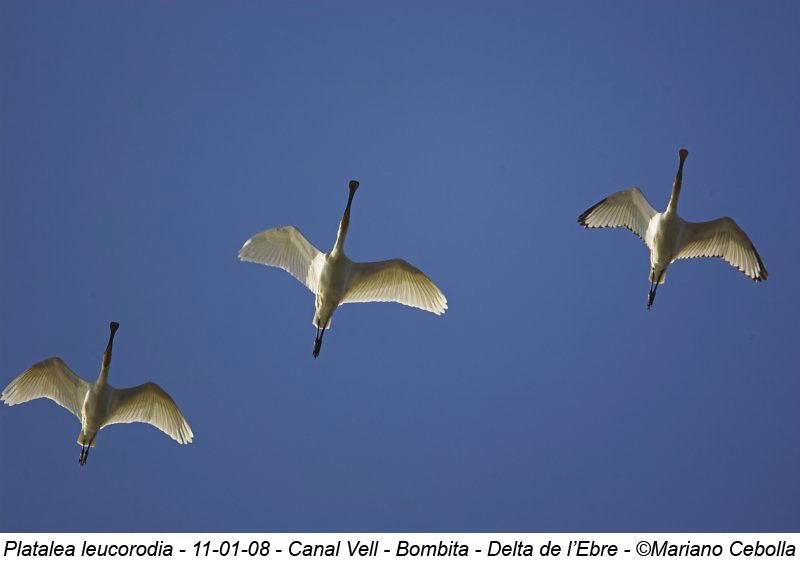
335, 280
52, 379
628, 208
394, 280
288, 249
149, 403
722, 238
671, 238
98, 405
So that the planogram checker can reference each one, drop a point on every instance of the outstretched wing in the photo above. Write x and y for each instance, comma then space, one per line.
394, 280
627, 208
149, 403
52, 379
288, 249
722, 238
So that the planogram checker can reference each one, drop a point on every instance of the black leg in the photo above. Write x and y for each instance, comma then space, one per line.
318, 341
86, 451
651, 297
317, 344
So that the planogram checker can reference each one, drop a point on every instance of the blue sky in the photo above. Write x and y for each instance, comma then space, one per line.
141, 145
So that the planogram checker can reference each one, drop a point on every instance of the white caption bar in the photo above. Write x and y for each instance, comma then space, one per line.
396, 549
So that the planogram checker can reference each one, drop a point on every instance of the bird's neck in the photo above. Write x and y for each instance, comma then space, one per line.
672, 206
344, 225
102, 380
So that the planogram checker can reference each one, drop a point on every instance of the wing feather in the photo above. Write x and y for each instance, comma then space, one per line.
394, 280
628, 208
149, 403
288, 249
51, 378
722, 238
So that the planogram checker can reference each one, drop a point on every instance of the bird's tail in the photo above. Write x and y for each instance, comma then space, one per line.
83, 439
660, 279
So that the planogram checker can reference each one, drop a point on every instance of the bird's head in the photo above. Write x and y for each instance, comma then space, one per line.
107, 354
353, 185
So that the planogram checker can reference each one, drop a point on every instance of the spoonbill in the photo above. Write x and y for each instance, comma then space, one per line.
671, 238
97, 404
334, 279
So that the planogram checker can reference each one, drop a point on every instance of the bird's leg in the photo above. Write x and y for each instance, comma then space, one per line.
651, 297
318, 341
81, 461
317, 346
86, 454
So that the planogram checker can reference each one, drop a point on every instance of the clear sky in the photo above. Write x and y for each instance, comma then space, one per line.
142, 144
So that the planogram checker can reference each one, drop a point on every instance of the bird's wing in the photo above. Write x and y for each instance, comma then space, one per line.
50, 378
288, 249
394, 280
149, 403
628, 208
722, 238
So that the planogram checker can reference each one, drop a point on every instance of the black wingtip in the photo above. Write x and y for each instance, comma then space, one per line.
762, 269
582, 218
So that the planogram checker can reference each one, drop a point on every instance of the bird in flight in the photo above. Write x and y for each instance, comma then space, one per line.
97, 404
334, 279
671, 238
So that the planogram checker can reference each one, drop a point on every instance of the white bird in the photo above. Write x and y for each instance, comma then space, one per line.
335, 280
97, 404
671, 238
